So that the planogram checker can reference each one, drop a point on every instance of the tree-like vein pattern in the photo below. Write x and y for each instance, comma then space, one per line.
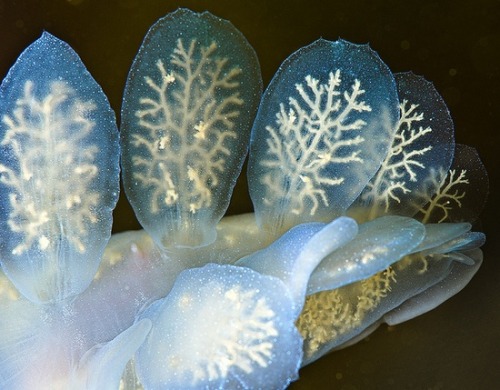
48, 132
186, 122
320, 129
398, 168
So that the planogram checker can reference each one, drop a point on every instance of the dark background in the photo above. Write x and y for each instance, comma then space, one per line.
454, 44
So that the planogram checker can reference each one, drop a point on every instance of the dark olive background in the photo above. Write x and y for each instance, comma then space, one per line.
455, 44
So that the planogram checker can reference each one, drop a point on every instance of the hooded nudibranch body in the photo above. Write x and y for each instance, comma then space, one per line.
363, 205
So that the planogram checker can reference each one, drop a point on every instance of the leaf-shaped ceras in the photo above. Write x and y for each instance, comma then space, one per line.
59, 178
423, 142
190, 98
323, 128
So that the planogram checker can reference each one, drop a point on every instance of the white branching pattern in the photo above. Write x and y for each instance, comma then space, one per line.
314, 132
243, 337
448, 193
398, 168
186, 124
53, 169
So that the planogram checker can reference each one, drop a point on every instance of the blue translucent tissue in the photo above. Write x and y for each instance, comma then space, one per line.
59, 174
189, 102
379, 244
53, 347
439, 233
221, 327
423, 145
360, 218
323, 128
294, 256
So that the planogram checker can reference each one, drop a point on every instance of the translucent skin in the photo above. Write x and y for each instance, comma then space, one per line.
59, 172
135, 273
190, 98
181, 307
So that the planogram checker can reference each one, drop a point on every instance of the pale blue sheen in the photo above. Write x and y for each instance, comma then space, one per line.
221, 327
467, 241
438, 233
59, 174
193, 301
18, 343
41, 346
294, 256
189, 102
324, 125
379, 244
104, 364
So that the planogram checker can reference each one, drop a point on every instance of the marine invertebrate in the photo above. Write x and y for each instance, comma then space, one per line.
56, 221
358, 211
184, 146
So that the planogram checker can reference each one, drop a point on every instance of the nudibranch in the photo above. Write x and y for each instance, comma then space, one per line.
363, 210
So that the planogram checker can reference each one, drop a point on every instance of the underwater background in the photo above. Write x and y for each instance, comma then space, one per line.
454, 44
